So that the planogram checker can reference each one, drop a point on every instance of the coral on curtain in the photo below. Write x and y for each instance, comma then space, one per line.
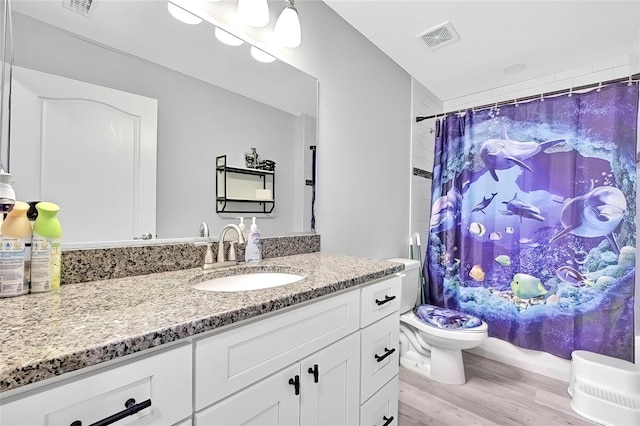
533, 221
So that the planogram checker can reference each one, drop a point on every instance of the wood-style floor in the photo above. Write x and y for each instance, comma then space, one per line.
495, 394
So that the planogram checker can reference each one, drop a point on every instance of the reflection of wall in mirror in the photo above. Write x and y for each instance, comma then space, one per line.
196, 122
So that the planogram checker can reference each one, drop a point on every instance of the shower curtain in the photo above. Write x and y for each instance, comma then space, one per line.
533, 220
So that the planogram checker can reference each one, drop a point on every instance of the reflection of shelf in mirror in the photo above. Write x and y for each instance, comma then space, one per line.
257, 172
245, 200
239, 190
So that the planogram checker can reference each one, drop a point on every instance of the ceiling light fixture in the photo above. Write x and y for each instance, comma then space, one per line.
227, 38
254, 13
182, 15
287, 28
261, 55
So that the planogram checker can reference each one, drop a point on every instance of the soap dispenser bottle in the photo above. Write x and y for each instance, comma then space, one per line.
15, 253
252, 251
242, 227
45, 250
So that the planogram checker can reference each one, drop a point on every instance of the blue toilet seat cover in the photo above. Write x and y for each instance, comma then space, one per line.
445, 318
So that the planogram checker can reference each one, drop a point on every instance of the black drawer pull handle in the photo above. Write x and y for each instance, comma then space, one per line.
387, 299
315, 372
296, 384
132, 408
387, 420
386, 354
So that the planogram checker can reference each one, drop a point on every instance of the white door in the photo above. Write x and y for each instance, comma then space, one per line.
332, 400
89, 149
270, 402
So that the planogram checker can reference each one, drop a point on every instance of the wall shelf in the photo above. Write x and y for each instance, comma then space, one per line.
237, 187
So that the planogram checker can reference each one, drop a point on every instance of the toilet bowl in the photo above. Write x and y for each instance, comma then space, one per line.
431, 338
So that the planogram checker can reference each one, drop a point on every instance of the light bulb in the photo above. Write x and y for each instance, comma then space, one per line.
182, 15
254, 13
287, 28
227, 38
261, 55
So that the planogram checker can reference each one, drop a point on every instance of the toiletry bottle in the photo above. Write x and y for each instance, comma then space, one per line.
242, 227
15, 253
45, 249
252, 250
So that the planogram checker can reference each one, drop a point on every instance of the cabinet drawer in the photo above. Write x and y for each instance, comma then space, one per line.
379, 300
379, 346
164, 378
382, 408
232, 360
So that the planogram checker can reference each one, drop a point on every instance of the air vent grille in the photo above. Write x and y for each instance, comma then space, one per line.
440, 35
82, 7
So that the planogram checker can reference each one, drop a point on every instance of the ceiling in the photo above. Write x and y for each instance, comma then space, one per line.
547, 36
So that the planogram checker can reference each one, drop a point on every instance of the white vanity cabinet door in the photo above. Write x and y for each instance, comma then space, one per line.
382, 408
232, 360
333, 399
270, 402
380, 354
379, 300
163, 377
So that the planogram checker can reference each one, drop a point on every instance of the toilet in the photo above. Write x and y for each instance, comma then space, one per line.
432, 338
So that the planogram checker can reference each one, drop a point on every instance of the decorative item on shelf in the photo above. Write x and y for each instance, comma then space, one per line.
268, 165
251, 159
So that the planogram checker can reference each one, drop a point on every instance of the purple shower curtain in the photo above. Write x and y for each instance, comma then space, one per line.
533, 220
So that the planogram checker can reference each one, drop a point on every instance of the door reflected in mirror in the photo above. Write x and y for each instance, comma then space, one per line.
212, 99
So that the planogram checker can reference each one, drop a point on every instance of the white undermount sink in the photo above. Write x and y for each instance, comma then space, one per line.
243, 282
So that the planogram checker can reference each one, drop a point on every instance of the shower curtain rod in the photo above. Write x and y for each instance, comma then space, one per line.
632, 78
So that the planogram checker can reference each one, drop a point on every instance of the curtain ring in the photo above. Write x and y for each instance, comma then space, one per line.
570, 92
541, 97
516, 102
599, 87
630, 83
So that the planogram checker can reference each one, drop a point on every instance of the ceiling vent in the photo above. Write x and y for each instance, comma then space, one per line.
440, 35
82, 7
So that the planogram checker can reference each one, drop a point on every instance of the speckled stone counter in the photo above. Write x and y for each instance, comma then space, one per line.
83, 265
48, 334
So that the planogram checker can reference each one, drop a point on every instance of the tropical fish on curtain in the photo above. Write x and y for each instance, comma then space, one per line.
533, 220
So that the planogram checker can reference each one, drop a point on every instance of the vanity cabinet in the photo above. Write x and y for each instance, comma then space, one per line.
331, 361
243, 190
159, 383
379, 351
322, 389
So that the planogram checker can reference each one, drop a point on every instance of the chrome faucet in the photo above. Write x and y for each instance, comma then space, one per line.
232, 254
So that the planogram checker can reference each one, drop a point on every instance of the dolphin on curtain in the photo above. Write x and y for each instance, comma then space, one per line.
501, 154
596, 213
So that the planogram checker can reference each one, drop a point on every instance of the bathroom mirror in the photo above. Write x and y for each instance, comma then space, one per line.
212, 99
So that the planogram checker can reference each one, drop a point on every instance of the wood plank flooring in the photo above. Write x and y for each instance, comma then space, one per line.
495, 394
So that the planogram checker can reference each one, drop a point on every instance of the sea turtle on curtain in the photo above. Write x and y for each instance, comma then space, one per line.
501, 154
597, 213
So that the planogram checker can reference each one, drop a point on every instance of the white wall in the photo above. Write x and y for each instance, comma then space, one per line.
364, 132
425, 104
364, 137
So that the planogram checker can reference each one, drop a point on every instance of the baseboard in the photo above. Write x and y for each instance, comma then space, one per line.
527, 359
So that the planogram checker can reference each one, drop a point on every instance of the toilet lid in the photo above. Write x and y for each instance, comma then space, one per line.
445, 318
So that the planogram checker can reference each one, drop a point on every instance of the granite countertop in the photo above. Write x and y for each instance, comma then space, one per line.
47, 334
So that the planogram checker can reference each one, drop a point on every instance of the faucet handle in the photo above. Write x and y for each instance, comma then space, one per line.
232, 250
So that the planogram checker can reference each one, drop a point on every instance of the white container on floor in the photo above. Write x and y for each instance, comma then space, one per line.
605, 389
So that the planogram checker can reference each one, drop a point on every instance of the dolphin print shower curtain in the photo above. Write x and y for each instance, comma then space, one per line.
533, 220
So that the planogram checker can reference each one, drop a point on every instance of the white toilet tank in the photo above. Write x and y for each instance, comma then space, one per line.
410, 295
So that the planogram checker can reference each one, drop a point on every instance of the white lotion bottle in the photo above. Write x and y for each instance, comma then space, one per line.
252, 252
242, 227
